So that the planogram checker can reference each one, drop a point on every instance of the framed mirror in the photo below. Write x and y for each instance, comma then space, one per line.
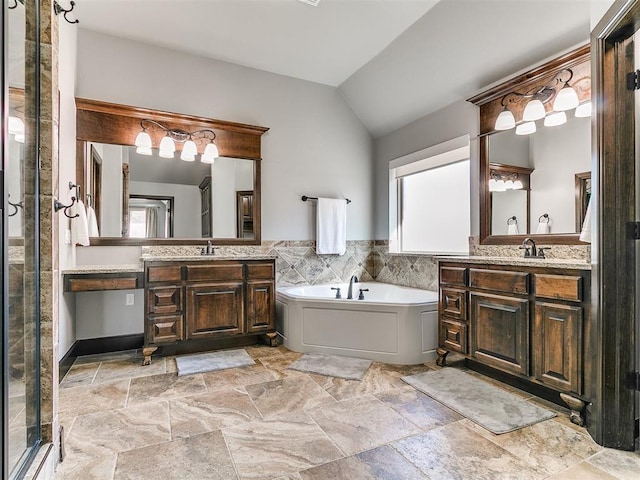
144, 196
549, 209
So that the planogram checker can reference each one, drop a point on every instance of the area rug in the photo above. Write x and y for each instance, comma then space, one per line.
482, 403
211, 361
332, 365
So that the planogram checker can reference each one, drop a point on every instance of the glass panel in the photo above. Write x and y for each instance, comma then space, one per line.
20, 244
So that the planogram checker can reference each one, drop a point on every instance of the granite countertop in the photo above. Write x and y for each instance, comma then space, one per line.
520, 261
123, 268
197, 258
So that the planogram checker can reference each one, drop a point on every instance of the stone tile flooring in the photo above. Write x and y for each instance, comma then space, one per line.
126, 421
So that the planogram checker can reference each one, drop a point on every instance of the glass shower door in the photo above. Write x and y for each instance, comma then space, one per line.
20, 236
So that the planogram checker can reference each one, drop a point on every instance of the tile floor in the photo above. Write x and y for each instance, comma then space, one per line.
125, 421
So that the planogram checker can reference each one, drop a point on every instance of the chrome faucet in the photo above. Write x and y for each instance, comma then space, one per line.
210, 250
529, 251
353, 280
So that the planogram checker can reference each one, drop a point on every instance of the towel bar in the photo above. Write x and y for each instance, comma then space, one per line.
305, 198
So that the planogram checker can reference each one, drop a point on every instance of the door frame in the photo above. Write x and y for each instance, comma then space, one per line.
610, 336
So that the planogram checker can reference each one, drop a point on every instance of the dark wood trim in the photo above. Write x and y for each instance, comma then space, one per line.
581, 193
90, 282
611, 338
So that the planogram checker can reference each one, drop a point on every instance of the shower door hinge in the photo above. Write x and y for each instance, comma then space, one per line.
633, 381
633, 230
633, 80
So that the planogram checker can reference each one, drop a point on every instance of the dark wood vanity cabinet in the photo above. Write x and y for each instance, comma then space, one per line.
527, 321
207, 299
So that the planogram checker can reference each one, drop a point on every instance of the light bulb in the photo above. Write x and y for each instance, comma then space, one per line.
167, 147
583, 110
508, 185
16, 126
526, 128
500, 186
534, 110
505, 120
189, 151
143, 142
555, 119
517, 185
210, 153
566, 99
492, 185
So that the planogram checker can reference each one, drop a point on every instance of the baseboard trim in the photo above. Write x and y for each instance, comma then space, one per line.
92, 346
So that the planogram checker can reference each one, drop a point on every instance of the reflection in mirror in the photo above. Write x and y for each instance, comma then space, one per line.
203, 196
15, 164
555, 155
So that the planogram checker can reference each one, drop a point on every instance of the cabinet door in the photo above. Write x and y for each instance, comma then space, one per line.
499, 328
557, 338
215, 310
260, 306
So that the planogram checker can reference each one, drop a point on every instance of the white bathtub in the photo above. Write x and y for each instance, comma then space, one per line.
393, 324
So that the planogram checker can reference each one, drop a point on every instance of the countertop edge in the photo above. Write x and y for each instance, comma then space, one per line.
569, 264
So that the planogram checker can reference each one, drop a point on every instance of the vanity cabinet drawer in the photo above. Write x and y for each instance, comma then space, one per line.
164, 299
218, 272
260, 271
453, 303
171, 273
453, 276
164, 329
500, 281
562, 287
453, 335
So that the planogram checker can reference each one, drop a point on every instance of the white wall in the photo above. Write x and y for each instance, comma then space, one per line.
111, 191
66, 173
457, 119
315, 146
186, 205
105, 314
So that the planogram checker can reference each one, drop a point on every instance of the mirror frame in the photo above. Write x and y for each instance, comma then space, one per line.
103, 122
490, 107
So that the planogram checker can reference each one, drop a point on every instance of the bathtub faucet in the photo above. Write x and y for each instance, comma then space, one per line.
353, 280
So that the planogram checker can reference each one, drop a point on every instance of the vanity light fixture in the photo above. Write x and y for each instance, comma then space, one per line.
565, 98
144, 144
503, 182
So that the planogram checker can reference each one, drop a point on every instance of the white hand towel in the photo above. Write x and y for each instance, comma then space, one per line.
331, 226
79, 226
543, 228
585, 234
512, 229
92, 222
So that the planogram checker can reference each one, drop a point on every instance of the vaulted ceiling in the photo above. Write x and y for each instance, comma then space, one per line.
393, 60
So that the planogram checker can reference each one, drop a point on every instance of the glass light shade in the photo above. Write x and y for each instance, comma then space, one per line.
508, 185
167, 147
143, 140
189, 151
505, 120
517, 185
210, 153
555, 119
500, 186
566, 99
534, 110
492, 185
583, 110
19, 137
526, 128
144, 151
16, 126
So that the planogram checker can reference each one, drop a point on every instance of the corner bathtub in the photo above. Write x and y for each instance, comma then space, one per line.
393, 324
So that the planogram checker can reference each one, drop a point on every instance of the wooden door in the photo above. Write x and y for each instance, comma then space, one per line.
260, 306
557, 339
215, 310
499, 328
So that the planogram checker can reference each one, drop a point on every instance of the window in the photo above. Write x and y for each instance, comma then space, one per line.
429, 199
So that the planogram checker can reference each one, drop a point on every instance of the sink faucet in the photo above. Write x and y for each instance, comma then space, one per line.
210, 250
529, 251
353, 280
